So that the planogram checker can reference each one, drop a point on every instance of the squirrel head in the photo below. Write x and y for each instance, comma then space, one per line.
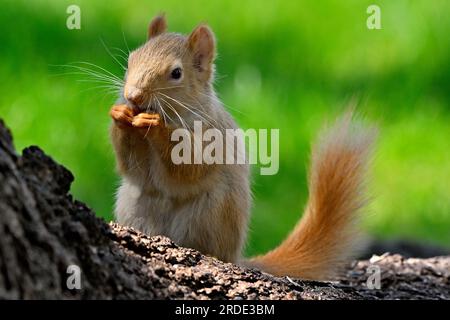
171, 71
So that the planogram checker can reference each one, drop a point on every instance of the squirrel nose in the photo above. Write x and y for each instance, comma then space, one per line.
134, 95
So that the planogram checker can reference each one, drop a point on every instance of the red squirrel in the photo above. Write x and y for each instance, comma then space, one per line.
169, 85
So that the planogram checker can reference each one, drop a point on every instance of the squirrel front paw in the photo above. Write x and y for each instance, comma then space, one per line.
144, 121
122, 115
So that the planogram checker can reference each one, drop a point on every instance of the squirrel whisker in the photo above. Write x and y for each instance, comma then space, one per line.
164, 113
126, 43
97, 76
112, 56
183, 123
123, 54
187, 108
107, 72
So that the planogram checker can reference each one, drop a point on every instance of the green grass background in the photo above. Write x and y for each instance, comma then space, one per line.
291, 65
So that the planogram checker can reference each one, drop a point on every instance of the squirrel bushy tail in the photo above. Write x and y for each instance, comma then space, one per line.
327, 235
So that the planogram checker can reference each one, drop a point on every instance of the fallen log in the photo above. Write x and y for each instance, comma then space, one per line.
54, 247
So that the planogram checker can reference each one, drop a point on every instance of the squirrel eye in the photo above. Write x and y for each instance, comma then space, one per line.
176, 73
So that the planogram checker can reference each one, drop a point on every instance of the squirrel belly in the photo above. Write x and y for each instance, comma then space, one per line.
327, 236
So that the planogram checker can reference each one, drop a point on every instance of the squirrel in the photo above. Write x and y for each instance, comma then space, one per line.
169, 85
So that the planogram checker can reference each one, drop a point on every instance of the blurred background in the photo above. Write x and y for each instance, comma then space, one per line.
291, 65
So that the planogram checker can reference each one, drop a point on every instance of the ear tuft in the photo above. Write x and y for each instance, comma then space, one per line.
202, 43
157, 26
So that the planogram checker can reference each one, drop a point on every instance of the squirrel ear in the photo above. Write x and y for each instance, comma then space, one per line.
157, 26
202, 43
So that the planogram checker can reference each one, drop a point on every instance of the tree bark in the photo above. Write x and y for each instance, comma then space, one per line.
44, 231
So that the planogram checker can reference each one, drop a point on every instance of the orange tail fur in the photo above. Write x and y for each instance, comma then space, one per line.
327, 235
